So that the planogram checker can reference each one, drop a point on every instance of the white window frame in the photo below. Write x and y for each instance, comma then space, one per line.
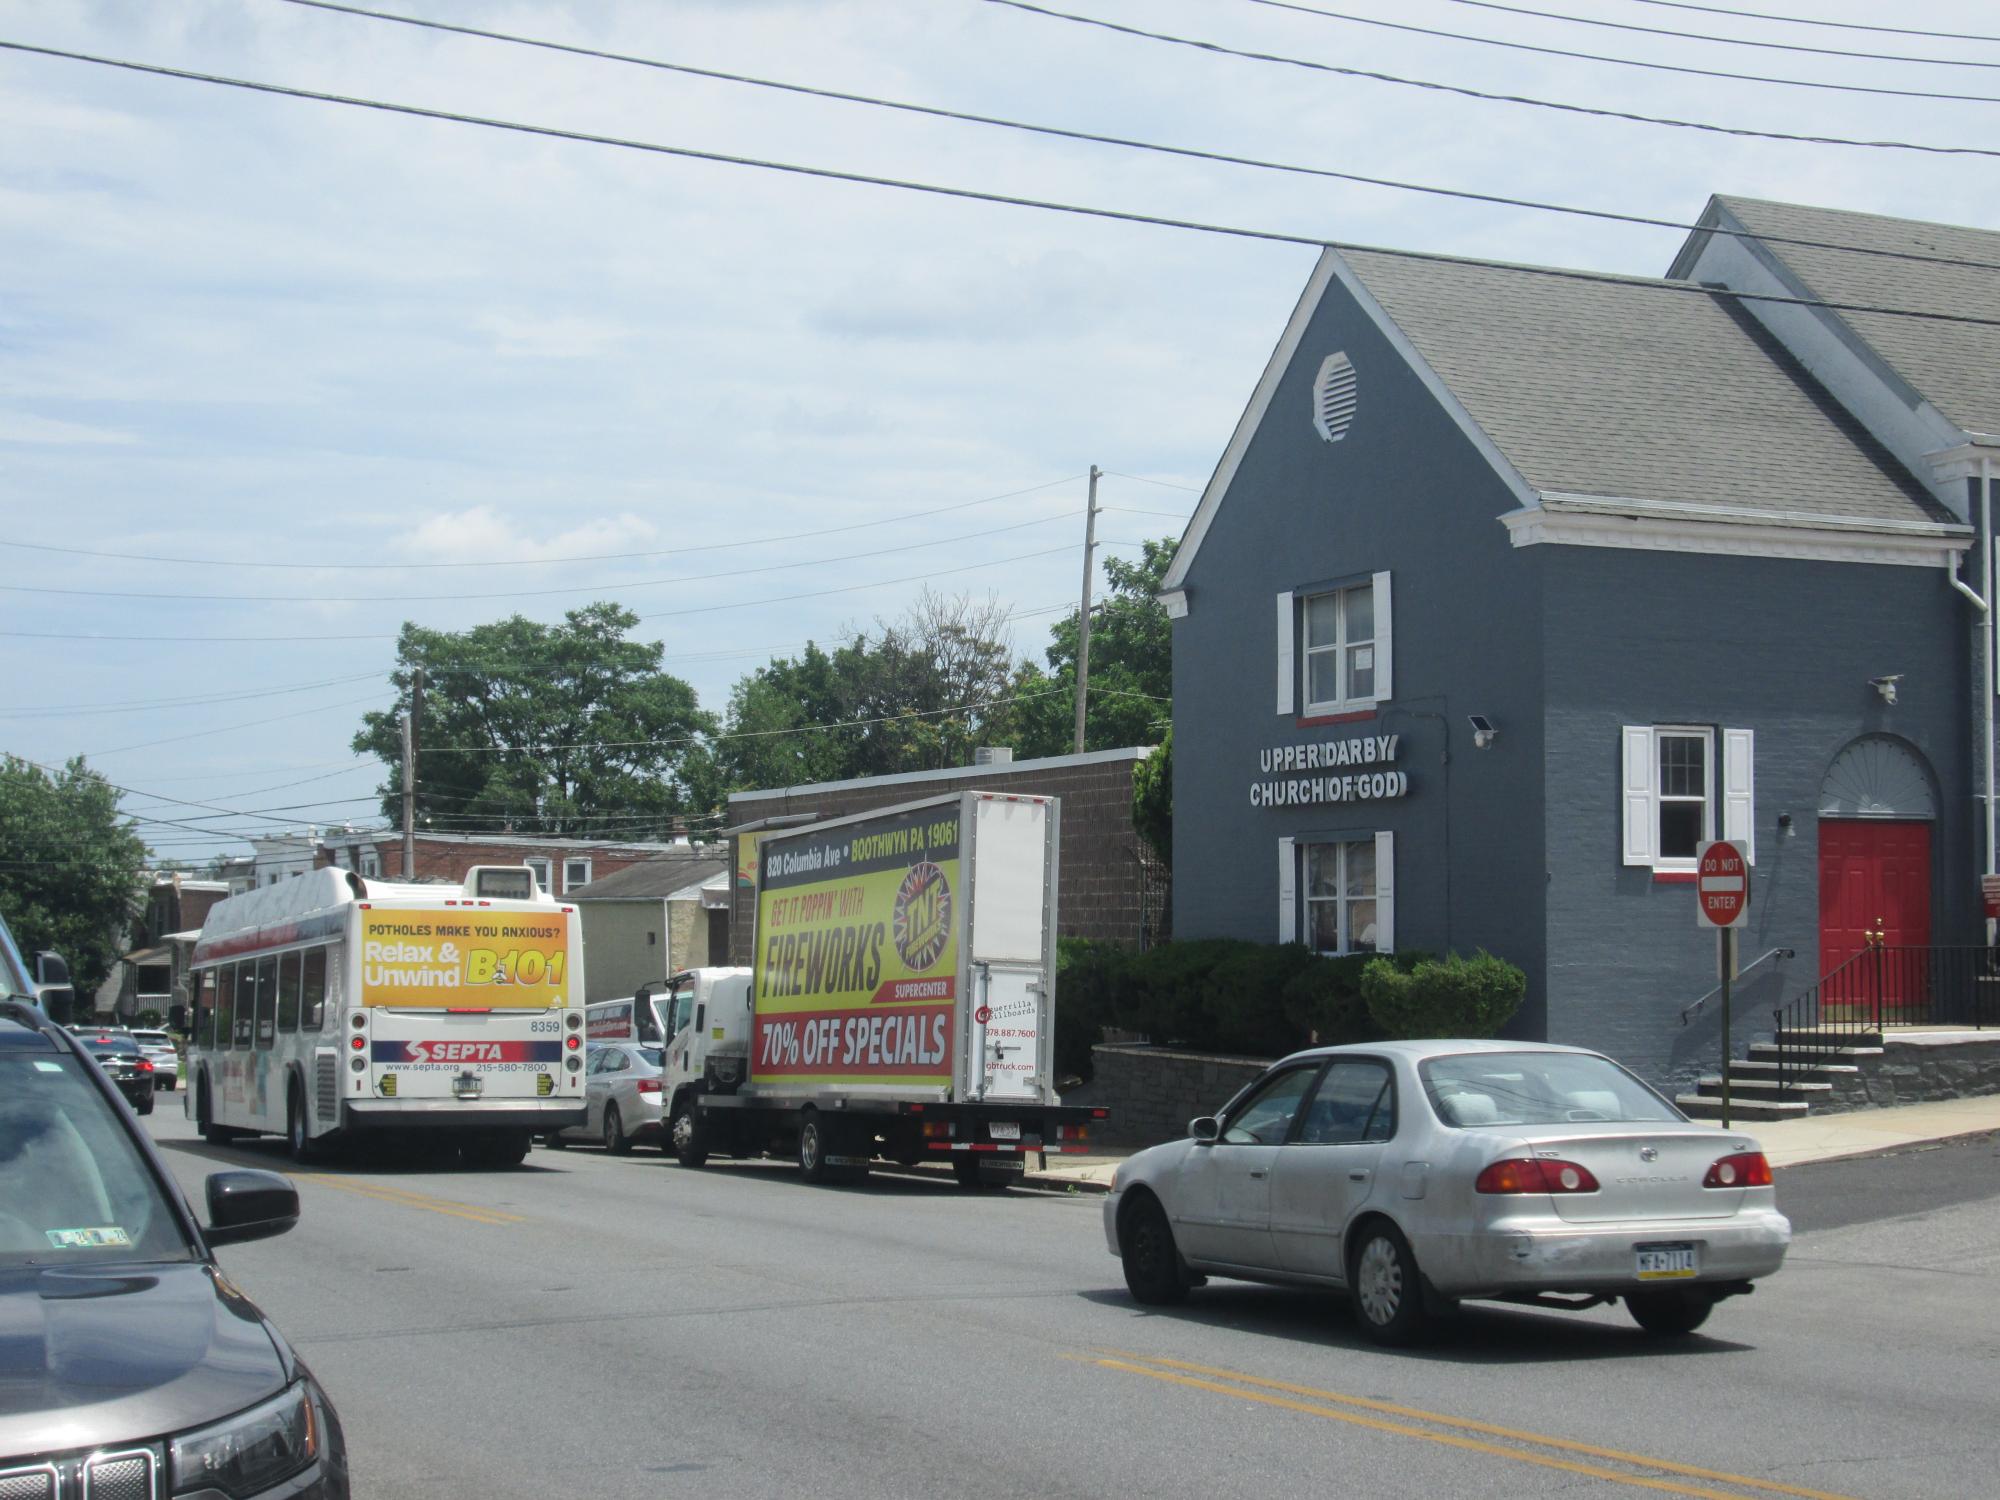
544, 874
371, 864
571, 885
1295, 904
1728, 796
1296, 652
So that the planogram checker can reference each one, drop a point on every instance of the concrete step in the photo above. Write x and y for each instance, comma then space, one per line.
1763, 1088
1791, 1069
1801, 1052
1702, 1107
1811, 1038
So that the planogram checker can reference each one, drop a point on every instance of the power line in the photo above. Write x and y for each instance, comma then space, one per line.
1096, 138
160, 704
537, 562
1735, 41
1634, 62
1471, 93
1049, 205
1759, 15
1196, 489
175, 739
579, 588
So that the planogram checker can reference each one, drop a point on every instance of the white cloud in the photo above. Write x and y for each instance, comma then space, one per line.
23, 427
482, 534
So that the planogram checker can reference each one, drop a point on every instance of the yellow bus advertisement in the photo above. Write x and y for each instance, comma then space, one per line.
465, 960
857, 952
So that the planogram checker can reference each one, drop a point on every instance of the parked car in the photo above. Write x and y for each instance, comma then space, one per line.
1414, 1174
133, 1366
124, 1064
621, 1098
160, 1051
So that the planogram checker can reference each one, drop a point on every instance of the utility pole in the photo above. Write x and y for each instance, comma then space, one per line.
410, 774
1083, 615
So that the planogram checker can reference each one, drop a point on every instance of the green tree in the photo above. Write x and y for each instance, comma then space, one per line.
916, 694
1153, 799
70, 867
1131, 665
558, 729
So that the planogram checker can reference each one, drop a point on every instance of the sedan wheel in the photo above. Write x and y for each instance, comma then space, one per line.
1387, 1291
1153, 1270
1669, 1312
614, 1132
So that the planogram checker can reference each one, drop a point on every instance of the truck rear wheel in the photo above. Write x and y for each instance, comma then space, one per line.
686, 1138
812, 1149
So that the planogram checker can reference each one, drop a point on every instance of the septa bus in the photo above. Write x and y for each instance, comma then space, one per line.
329, 1005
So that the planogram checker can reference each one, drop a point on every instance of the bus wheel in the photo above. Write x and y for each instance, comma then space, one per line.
298, 1139
500, 1148
204, 1117
685, 1137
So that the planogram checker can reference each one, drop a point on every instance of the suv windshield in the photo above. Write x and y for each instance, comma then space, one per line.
74, 1189
1537, 1088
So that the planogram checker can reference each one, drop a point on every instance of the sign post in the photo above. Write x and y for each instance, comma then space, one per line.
1722, 896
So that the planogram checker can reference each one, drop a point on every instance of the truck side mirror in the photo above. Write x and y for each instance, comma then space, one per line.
54, 991
50, 968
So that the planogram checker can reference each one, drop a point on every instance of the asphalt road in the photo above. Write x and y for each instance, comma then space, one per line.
621, 1327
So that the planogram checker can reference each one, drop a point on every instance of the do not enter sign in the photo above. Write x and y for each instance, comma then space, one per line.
1721, 883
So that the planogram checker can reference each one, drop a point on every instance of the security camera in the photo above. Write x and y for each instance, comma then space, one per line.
1886, 686
1483, 732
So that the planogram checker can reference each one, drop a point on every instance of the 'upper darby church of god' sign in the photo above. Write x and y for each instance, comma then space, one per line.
1514, 586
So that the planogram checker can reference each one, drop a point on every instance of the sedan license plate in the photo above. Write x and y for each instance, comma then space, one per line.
1666, 1262
1004, 1130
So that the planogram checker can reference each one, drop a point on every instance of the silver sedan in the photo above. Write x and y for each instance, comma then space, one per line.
621, 1097
1414, 1174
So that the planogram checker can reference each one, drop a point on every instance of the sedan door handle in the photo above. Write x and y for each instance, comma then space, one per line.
1256, 1171
1358, 1175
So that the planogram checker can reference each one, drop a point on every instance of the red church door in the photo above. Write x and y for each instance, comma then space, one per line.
1874, 886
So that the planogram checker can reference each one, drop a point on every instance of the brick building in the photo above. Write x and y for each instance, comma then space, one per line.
1109, 884
562, 866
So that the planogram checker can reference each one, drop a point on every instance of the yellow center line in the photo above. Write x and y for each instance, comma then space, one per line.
405, 1199
1471, 1425
1161, 1368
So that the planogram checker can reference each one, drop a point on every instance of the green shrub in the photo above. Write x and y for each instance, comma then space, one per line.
1088, 977
1245, 998
1323, 1001
148, 1020
1448, 997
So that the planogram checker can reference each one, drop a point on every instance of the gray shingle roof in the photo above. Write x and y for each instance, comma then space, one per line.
654, 879
1639, 389
1955, 366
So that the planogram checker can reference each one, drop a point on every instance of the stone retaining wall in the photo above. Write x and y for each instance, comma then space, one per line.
1153, 1093
1920, 1069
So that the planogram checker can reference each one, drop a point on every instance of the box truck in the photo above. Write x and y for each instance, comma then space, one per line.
900, 1004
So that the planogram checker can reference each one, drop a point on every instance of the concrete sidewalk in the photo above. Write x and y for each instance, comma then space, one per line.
1788, 1143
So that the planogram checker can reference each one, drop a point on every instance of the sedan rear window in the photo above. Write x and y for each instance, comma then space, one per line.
1536, 1088
654, 1055
74, 1189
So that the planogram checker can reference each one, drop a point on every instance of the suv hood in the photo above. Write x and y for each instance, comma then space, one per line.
113, 1354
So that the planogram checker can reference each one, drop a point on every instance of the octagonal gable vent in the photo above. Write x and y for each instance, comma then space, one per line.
1334, 397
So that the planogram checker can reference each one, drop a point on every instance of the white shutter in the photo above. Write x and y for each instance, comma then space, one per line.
1287, 672
1636, 787
1288, 892
1739, 790
1385, 890
1384, 654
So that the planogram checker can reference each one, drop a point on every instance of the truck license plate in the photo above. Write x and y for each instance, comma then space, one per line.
1004, 1130
1665, 1262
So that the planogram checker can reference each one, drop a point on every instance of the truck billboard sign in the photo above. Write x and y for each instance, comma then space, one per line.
465, 960
857, 951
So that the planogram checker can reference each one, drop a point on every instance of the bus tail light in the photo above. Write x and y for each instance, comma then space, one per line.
358, 1042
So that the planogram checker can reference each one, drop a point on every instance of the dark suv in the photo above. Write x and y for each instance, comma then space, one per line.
129, 1366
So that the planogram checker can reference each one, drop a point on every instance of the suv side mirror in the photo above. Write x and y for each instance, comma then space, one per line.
1205, 1129
54, 990
245, 1205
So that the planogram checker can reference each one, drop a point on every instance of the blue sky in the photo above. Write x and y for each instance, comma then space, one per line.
243, 330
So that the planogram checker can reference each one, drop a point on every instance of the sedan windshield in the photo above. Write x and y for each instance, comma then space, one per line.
74, 1189
1536, 1088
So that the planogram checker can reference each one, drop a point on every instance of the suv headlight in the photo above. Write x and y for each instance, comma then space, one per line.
252, 1450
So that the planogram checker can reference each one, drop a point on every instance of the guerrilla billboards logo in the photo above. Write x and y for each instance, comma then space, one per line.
1335, 782
922, 917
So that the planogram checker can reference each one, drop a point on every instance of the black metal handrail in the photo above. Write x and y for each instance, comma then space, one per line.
1885, 985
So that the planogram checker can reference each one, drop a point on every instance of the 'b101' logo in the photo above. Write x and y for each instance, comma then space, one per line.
921, 922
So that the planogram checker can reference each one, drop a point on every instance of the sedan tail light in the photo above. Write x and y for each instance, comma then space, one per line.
1747, 1169
649, 1085
1531, 1174
145, 1067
